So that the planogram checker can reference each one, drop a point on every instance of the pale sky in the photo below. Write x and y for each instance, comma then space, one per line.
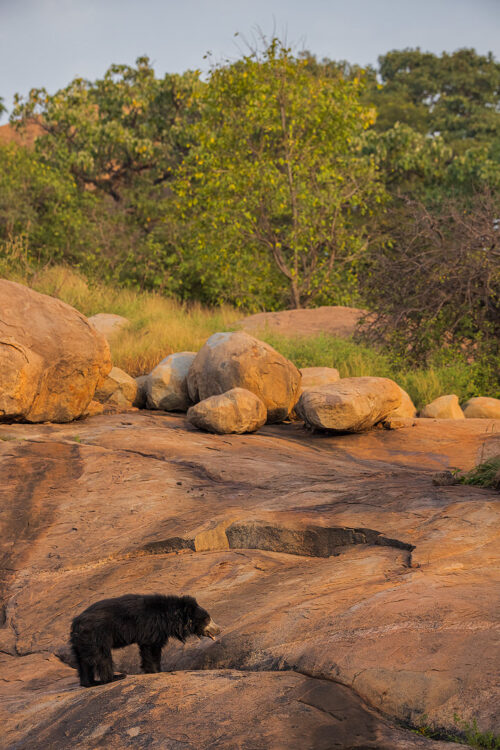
49, 42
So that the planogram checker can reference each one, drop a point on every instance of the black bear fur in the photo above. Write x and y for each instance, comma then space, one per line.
148, 620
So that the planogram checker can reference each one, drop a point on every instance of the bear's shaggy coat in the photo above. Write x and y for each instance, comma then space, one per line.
148, 620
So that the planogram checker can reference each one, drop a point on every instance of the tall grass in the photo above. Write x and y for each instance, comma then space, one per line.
354, 360
159, 326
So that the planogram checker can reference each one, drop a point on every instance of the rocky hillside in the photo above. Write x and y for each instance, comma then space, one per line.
355, 597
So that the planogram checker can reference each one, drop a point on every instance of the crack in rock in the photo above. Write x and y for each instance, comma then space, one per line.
310, 541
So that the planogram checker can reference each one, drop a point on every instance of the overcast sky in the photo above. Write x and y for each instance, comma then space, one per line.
49, 42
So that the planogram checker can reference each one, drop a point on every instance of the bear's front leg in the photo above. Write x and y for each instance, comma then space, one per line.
150, 658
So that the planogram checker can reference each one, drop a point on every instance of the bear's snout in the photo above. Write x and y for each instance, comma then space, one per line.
211, 630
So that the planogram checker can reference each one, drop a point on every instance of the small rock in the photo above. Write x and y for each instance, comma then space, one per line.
93, 409
398, 423
236, 411
118, 389
166, 385
444, 479
444, 407
108, 324
482, 407
141, 397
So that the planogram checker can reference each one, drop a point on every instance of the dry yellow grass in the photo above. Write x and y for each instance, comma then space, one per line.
158, 325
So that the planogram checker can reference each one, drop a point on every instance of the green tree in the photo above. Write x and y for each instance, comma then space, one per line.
108, 132
42, 204
277, 185
452, 100
457, 95
118, 140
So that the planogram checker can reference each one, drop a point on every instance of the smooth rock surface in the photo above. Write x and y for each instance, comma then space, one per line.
406, 409
444, 407
350, 405
118, 388
312, 376
334, 320
237, 410
482, 407
206, 710
108, 324
51, 358
237, 360
166, 385
298, 545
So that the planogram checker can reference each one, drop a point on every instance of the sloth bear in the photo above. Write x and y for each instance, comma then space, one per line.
148, 620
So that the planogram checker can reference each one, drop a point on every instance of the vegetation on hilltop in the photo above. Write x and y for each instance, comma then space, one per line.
281, 180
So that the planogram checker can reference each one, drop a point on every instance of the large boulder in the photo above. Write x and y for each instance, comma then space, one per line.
108, 324
350, 405
482, 407
238, 360
166, 385
406, 409
51, 358
237, 410
118, 389
313, 376
444, 407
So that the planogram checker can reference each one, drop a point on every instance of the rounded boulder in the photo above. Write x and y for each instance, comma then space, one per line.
350, 405
236, 411
444, 407
118, 388
108, 324
166, 385
51, 358
238, 360
482, 407
313, 376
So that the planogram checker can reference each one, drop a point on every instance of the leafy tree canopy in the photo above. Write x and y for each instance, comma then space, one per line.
109, 132
277, 181
456, 95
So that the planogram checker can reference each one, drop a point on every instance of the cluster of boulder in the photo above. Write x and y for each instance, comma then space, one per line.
236, 384
448, 407
55, 366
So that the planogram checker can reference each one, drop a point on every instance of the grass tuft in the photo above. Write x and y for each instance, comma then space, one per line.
485, 474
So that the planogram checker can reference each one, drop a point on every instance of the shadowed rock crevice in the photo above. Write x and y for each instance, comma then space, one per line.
310, 541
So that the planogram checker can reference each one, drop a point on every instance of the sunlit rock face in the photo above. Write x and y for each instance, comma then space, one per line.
349, 405
238, 360
51, 358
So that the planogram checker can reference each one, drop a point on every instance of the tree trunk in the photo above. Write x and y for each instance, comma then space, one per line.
295, 296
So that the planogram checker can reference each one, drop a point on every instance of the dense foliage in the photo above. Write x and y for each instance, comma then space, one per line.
280, 180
